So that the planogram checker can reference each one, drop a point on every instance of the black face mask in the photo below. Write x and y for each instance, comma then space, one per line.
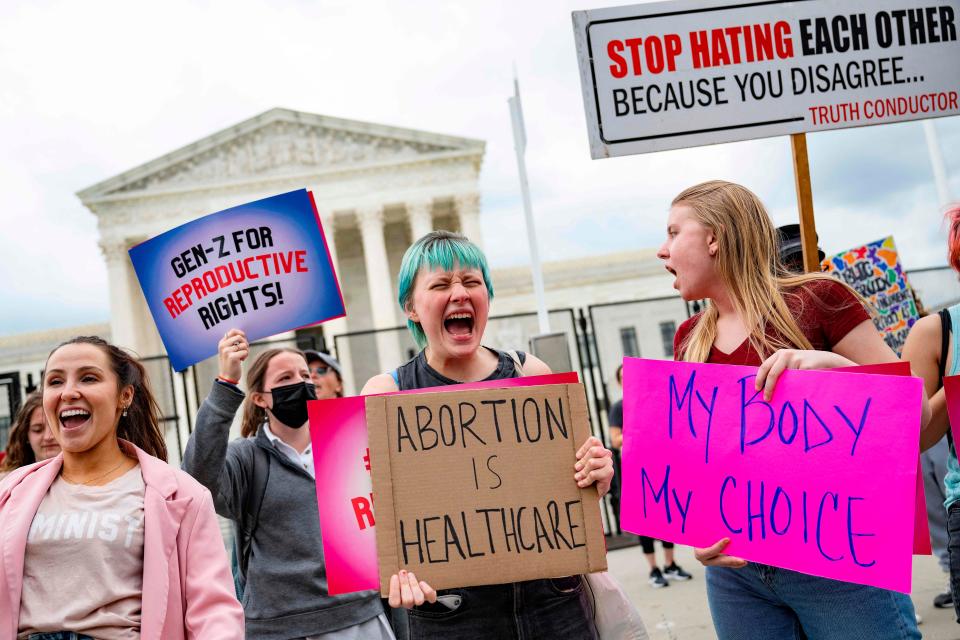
290, 403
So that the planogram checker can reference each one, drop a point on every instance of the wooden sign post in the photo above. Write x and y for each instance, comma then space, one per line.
678, 74
808, 226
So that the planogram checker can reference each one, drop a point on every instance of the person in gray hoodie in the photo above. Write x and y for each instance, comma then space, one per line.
264, 482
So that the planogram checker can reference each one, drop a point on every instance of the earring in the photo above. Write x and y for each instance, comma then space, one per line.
125, 411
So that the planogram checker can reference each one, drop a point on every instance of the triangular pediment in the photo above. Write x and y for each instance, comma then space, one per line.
281, 142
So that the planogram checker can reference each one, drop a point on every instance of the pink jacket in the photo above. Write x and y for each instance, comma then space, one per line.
187, 588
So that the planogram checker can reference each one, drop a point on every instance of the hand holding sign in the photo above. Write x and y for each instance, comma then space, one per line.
783, 359
408, 592
713, 556
594, 465
233, 349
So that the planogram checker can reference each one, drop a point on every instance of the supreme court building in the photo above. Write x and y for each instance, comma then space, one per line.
377, 188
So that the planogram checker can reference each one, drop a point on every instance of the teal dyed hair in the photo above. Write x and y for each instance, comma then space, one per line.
443, 250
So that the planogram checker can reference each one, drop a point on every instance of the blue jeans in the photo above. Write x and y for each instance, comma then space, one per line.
58, 635
759, 602
558, 608
953, 547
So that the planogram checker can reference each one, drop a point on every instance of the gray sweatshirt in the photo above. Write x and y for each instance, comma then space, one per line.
285, 595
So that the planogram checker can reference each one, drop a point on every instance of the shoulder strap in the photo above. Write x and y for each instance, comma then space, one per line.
251, 516
395, 374
517, 363
945, 328
944, 341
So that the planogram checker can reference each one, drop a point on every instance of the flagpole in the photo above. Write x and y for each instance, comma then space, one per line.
936, 160
520, 146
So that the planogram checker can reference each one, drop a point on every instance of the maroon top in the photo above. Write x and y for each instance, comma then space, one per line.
825, 310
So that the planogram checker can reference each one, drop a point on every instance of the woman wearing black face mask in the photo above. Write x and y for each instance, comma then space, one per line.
264, 482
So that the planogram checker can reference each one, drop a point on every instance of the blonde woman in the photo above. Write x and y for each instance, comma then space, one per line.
721, 246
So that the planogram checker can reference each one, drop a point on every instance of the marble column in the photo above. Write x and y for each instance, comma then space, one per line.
382, 302
420, 217
468, 211
337, 327
123, 324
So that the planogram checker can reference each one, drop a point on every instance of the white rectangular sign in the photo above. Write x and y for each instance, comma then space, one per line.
686, 73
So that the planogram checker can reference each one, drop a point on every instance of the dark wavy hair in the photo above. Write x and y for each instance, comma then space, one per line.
19, 453
141, 425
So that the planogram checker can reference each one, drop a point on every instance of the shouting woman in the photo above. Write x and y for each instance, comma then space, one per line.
445, 290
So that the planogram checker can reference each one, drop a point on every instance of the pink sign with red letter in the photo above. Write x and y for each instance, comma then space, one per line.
821, 480
951, 388
341, 455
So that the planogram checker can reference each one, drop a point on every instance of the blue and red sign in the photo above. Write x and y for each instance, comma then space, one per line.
262, 267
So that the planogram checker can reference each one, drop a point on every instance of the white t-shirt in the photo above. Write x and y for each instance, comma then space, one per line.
83, 567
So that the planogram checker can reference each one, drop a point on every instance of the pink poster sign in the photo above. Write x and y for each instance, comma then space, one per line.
951, 389
922, 545
341, 456
821, 480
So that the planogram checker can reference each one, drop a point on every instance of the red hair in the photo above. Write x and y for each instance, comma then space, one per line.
952, 217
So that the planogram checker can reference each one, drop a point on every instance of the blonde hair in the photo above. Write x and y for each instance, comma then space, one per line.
750, 269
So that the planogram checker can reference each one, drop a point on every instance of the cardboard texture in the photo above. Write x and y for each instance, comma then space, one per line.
451, 489
341, 455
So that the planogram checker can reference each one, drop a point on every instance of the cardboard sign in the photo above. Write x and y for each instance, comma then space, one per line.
687, 73
820, 480
477, 488
874, 270
341, 455
262, 267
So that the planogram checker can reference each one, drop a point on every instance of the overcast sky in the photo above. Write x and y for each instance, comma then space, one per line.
91, 89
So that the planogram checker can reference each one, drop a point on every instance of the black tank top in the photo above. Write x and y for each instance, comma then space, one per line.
417, 374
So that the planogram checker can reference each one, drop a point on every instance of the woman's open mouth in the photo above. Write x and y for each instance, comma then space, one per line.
674, 274
74, 418
459, 325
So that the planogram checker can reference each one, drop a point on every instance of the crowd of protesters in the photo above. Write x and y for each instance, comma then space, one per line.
101, 538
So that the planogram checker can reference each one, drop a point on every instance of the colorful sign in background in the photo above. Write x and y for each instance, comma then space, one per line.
874, 270
820, 480
262, 267
341, 455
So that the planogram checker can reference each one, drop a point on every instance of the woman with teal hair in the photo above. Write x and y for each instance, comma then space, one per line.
445, 291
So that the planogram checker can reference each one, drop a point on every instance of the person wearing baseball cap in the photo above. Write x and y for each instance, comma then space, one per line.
326, 373
790, 248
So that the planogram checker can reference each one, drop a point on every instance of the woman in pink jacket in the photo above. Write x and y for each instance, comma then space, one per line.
106, 540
